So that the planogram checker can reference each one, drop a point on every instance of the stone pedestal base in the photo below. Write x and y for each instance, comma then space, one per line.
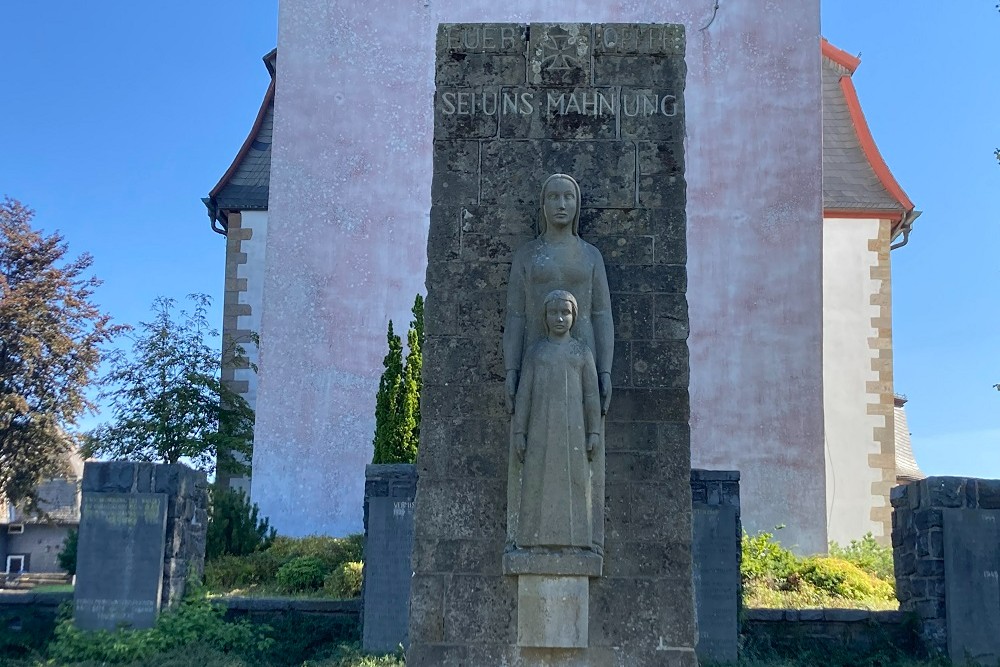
553, 595
552, 612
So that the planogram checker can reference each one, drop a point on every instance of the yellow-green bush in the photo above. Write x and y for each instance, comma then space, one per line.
867, 554
259, 570
840, 578
345, 581
773, 576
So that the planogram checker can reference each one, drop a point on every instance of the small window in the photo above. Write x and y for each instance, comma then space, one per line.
16, 564
15, 528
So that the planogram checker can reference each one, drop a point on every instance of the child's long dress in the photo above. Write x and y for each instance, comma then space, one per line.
557, 405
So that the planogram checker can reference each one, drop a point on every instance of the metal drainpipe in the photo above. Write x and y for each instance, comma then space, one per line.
907, 228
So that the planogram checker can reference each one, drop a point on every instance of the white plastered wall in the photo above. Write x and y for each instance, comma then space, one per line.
847, 368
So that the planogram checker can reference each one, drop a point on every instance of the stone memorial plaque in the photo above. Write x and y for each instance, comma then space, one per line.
119, 572
388, 546
716, 581
972, 585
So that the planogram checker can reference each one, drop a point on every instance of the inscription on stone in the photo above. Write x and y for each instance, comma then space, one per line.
120, 560
389, 541
716, 581
972, 585
595, 102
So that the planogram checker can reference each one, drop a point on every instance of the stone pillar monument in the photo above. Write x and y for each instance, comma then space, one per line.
494, 545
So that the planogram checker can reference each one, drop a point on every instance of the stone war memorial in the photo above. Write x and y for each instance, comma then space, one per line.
553, 509
142, 534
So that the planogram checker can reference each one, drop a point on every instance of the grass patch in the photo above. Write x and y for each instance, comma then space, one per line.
53, 588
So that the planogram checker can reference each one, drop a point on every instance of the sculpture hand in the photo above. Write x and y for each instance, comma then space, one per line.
511, 387
520, 445
604, 384
593, 442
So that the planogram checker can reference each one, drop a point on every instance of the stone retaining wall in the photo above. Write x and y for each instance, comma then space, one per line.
786, 632
928, 565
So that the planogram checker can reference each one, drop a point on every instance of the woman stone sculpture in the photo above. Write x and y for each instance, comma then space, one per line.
556, 431
558, 260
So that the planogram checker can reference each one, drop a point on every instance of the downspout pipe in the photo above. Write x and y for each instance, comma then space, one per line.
906, 227
214, 215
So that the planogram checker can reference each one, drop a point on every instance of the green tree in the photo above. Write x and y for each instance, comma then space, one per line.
235, 526
397, 404
387, 401
167, 399
67, 555
50, 334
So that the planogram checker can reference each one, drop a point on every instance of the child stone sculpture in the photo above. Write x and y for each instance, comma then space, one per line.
556, 431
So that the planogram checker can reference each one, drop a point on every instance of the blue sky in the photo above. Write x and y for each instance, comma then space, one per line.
117, 117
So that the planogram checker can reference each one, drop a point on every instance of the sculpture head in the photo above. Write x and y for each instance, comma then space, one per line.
560, 203
560, 312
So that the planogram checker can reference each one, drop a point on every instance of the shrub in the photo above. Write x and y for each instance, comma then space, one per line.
867, 554
302, 573
345, 581
331, 551
195, 622
234, 526
765, 559
260, 568
843, 579
67, 556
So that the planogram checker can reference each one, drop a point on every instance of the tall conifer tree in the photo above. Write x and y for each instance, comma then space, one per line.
397, 404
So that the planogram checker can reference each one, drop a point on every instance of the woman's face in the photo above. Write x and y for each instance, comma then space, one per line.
559, 202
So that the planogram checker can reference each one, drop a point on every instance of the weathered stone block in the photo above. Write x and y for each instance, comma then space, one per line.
427, 607
658, 278
481, 69
486, 38
613, 623
659, 404
552, 611
642, 70
634, 316
471, 509
626, 436
628, 249
458, 556
506, 221
456, 174
565, 114
621, 371
652, 505
466, 113
661, 182
480, 610
944, 491
596, 222
638, 38
625, 559
989, 494
512, 171
559, 54
491, 247
660, 364
634, 466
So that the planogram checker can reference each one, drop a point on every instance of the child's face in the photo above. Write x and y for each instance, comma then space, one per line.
559, 317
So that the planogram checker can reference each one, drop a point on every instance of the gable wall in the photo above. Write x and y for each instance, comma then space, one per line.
350, 195
857, 376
